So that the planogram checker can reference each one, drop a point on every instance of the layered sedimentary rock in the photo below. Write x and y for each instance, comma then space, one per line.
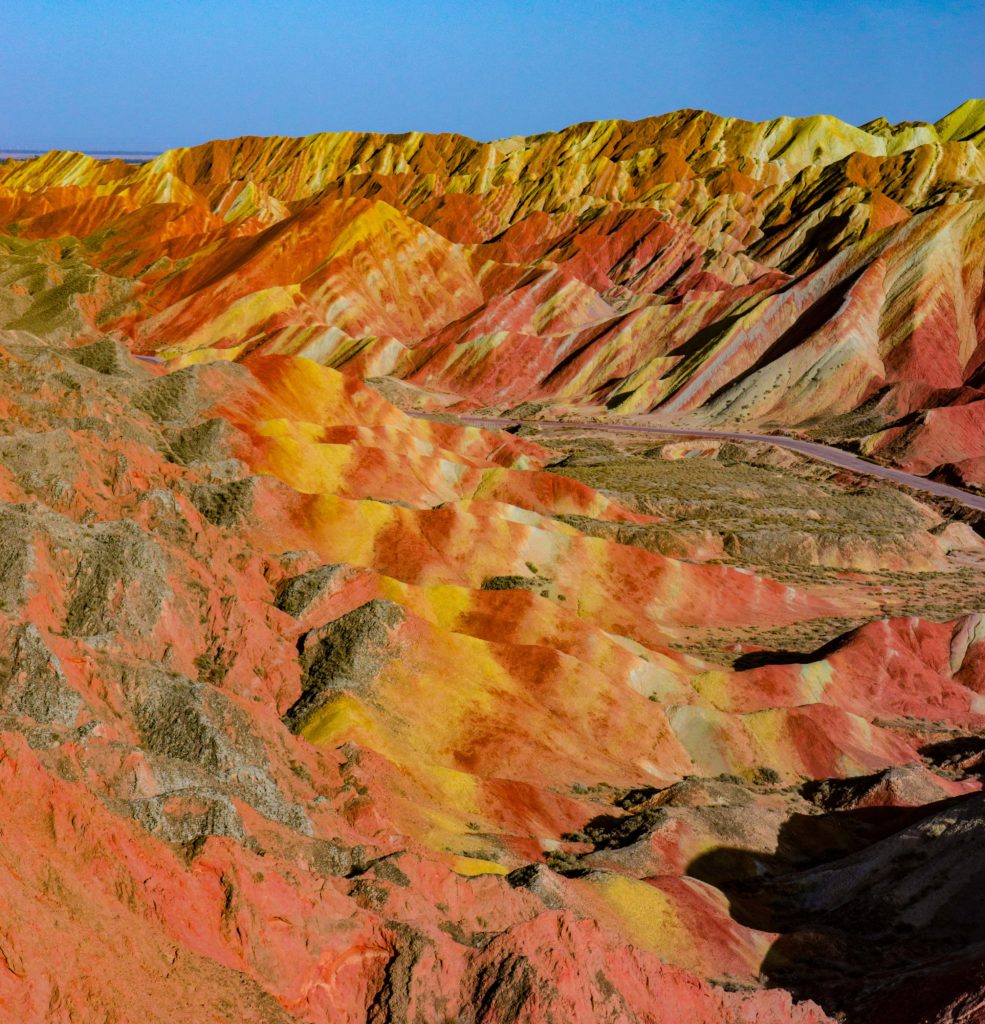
799, 272
332, 713
313, 710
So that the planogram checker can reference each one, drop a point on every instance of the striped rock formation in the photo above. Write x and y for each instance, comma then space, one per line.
799, 272
313, 710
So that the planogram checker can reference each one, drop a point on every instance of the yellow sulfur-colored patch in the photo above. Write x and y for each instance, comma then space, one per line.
340, 719
769, 730
347, 530
289, 428
441, 605
238, 319
664, 924
308, 468
713, 687
178, 359
648, 913
470, 867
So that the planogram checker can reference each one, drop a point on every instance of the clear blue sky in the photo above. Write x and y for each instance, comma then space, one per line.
130, 74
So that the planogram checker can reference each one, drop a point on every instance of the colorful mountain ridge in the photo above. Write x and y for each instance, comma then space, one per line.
315, 710
798, 272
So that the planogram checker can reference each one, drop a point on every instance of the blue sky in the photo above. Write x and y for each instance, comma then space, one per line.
127, 74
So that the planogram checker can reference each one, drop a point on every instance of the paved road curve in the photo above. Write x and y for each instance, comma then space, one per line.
835, 456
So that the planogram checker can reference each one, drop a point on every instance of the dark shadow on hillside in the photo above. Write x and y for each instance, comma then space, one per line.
853, 954
757, 659
964, 754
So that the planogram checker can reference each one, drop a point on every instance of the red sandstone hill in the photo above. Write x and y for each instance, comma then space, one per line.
311, 710
795, 273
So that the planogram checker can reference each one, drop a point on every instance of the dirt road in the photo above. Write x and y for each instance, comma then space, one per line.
834, 456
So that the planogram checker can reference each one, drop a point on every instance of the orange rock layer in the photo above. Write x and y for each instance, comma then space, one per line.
789, 273
316, 711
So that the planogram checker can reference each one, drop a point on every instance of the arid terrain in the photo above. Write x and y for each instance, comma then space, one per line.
321, 703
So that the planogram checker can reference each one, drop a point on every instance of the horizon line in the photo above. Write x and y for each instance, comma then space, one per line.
122, 154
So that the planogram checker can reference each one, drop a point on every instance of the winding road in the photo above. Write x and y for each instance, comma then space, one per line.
834, 456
